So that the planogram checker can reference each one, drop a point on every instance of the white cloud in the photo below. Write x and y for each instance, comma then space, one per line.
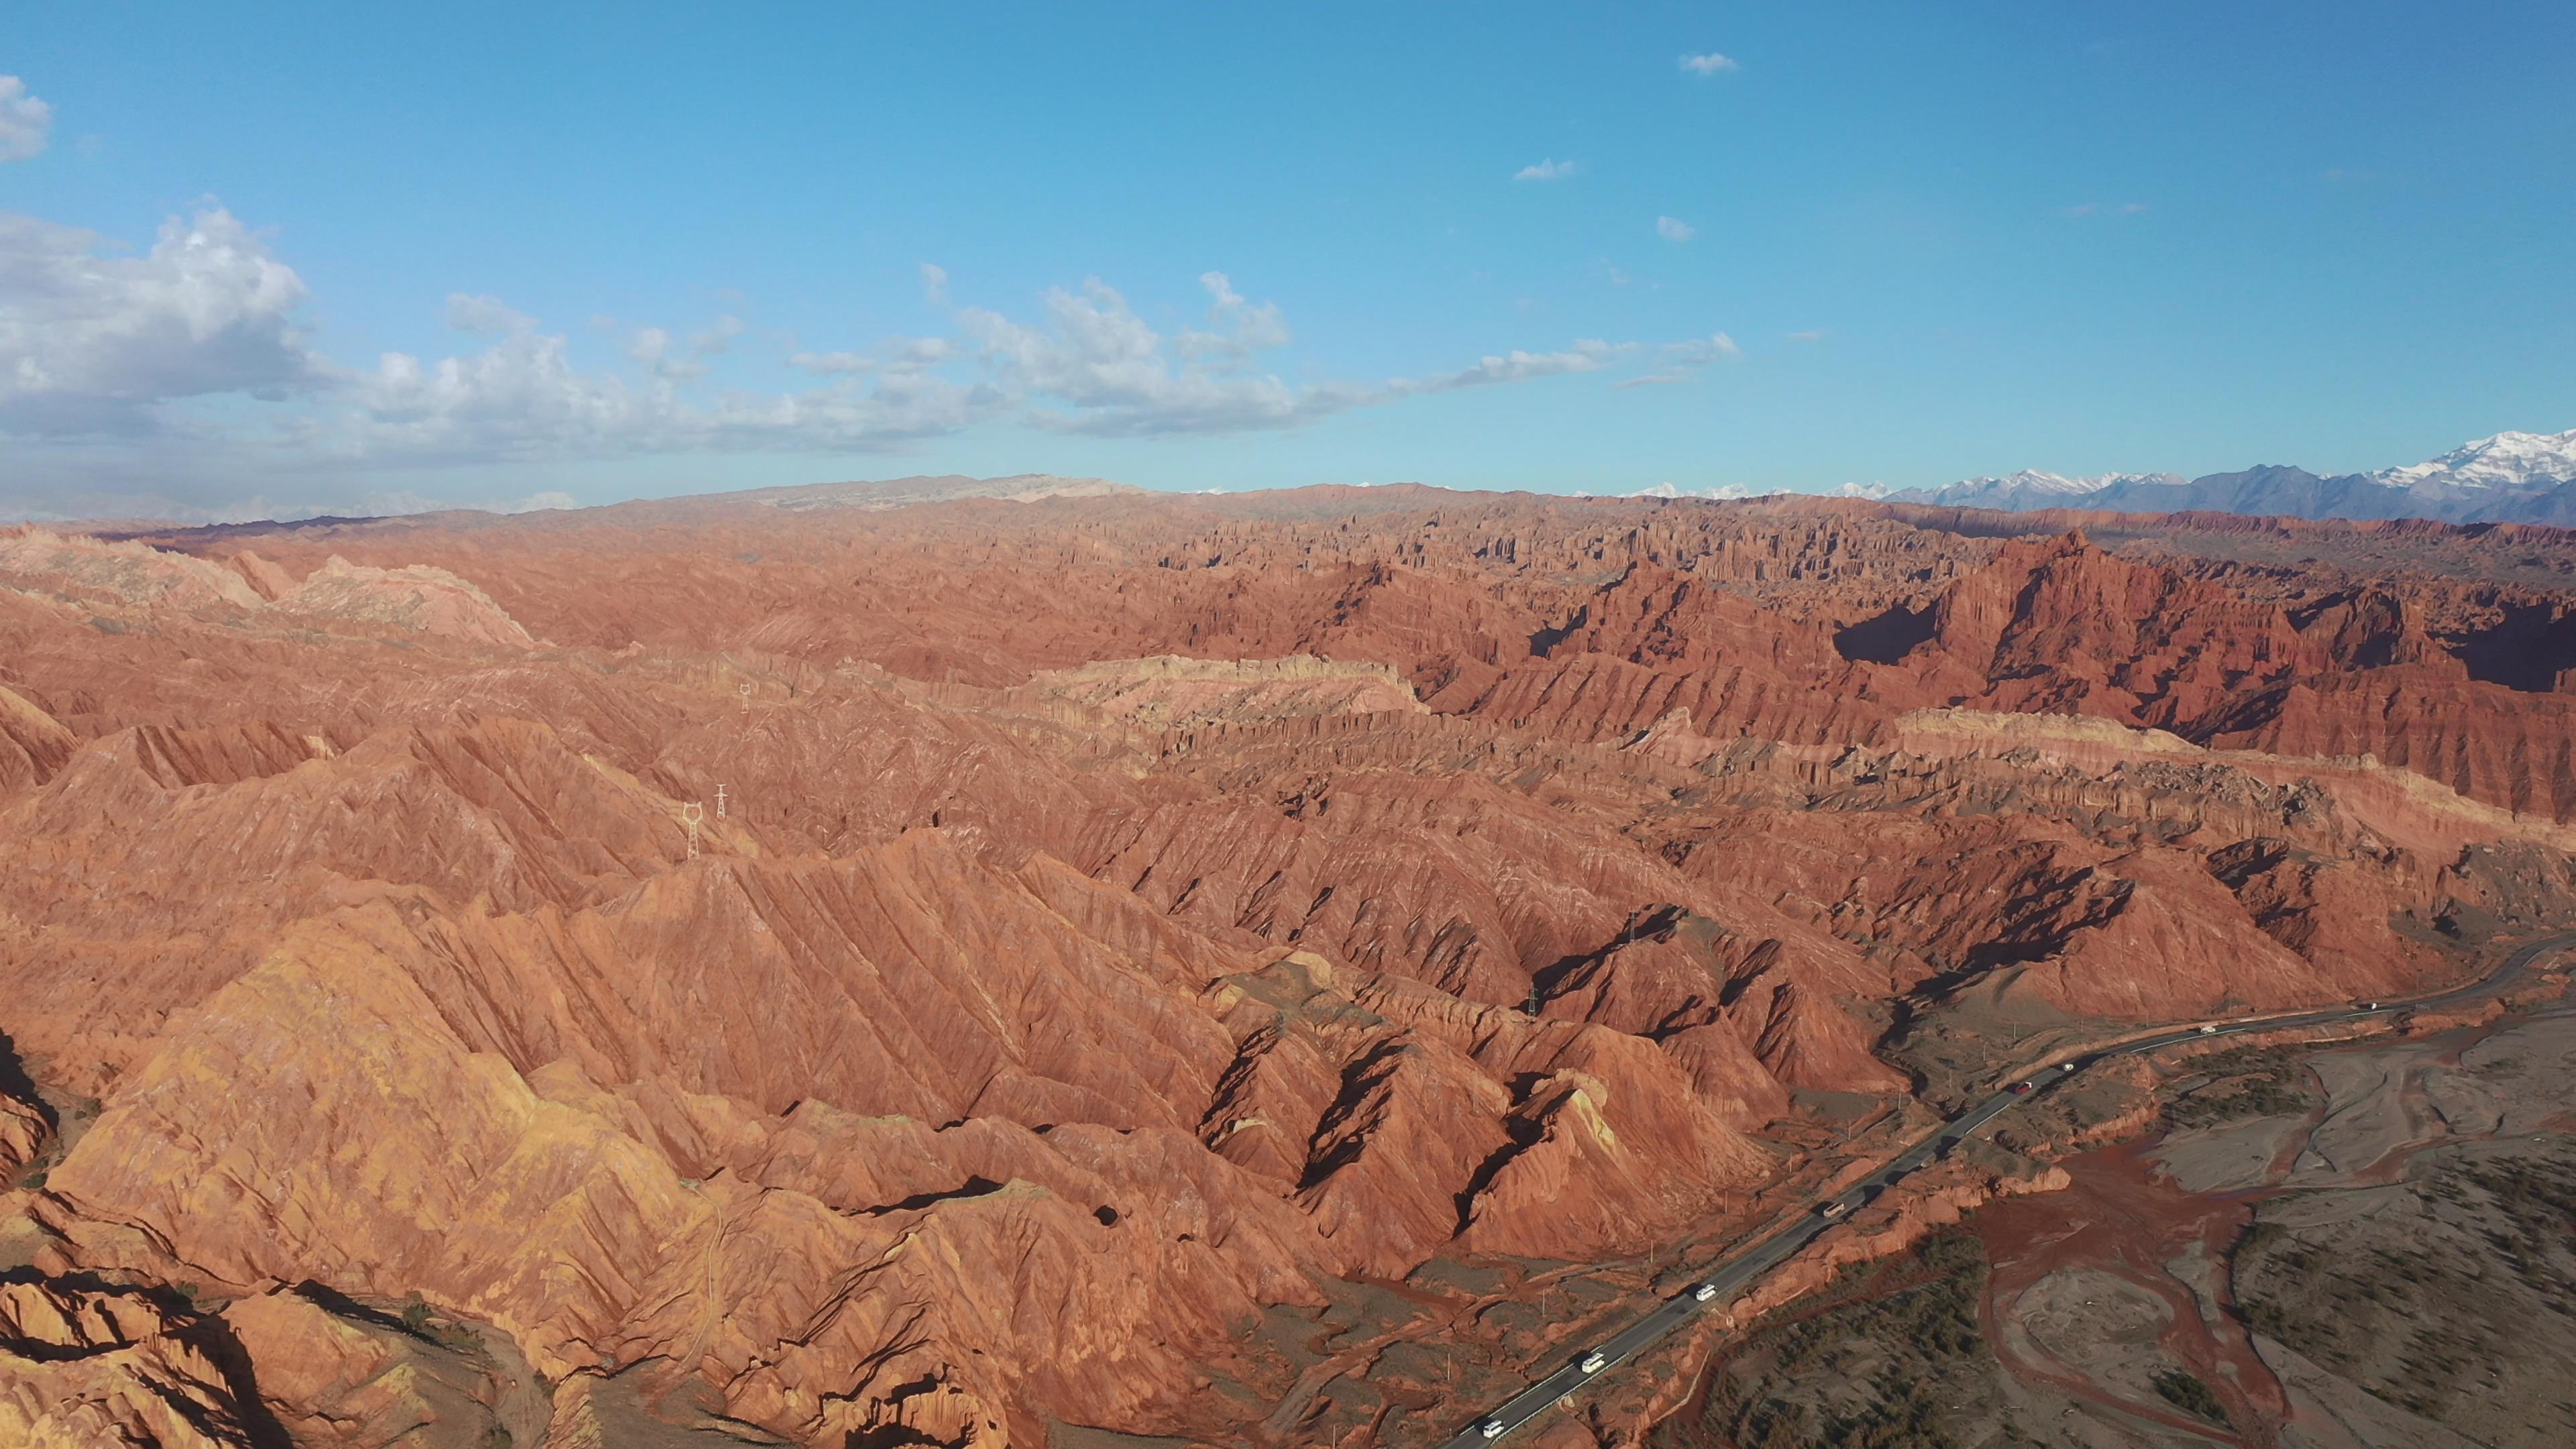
102, 353
1097, 368
484, 314
1814, 334
1702, 351
1709, 64
831, 363
1548, 170
651, 346
934, 284
26, 123
1677, 361
915, 353
1245, 327
1674, 231
1112, 373
1589, 355
92, 343
523, 399
715, 339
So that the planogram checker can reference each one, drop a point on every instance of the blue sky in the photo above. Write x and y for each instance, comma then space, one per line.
630, 250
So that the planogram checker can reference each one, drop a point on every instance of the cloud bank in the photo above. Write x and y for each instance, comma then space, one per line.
26, 123
194, 357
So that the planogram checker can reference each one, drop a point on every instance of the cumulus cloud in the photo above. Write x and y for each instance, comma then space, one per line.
1587, 355
1110, 374
92, 342
1673, 230
1095, 367
524, 399
484, 314
1677, 361
1548, 170
649, 346
1242, 328
912, 354
934, 284
102, 353
1709, 64
1702, 351
26, 123
831, 363
652, 347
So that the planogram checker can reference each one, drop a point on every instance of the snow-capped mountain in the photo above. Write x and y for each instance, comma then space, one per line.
1670, 489
2508, 478
2031, 488
2507, 460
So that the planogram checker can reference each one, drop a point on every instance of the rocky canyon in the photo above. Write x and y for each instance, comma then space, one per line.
1038, 962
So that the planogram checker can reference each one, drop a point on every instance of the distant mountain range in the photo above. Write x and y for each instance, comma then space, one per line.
2509, 478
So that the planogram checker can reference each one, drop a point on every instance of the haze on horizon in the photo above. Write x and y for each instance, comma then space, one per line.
334, 261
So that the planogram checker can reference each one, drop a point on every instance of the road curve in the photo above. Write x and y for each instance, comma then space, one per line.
1736, 1274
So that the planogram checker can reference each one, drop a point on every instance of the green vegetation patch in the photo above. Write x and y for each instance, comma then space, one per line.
2246, 1083
2183, 1389
2448, 1302
1880, 1360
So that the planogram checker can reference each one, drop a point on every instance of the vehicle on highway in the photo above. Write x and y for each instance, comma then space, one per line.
1490, 1429
2209, 1031
1835, 1209
2370, 1006
2021, 1087
1703, 1292
2066, 1066
1593, 1362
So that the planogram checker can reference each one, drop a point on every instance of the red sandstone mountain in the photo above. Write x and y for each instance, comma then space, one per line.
912, 974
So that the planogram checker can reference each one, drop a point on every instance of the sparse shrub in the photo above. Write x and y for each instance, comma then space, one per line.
2183, 1389
415, 1314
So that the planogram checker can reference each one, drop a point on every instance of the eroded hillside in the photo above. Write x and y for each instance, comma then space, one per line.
927, 974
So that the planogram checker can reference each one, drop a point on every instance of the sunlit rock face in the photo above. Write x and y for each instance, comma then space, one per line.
920, 974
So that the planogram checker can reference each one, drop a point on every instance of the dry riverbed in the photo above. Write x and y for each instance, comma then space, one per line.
2369, 1245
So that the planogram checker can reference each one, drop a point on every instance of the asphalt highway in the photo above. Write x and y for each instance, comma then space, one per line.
1736, 1274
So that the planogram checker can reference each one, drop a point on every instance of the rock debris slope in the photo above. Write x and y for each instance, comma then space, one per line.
919, 967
